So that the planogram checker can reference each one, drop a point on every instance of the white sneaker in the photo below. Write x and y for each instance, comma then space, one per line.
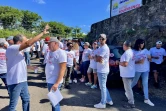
148, 102
70, 81
88, 84
75, 80
100, 106
94, 87
110, 103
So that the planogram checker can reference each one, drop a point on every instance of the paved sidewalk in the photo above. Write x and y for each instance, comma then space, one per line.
79, 98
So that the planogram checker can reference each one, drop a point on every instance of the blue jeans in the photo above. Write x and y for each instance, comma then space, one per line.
105, 95
27, 57
57, 107
145, 77
16, 90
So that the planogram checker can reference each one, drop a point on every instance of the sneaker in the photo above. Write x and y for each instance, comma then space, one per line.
100, 106
88, 84
75, 80
129, 106
67, 87
94, 87
70, 81
82, 80
148, 102
110, 103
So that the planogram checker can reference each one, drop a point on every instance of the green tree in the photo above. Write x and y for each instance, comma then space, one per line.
10, 16
30, 20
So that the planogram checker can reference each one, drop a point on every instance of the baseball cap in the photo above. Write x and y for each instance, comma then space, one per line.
94, 42
103, 36
53, 39
86, 43
10, 38
1, 43
47, 39
159, 43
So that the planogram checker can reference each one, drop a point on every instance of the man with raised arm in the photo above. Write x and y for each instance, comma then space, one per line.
17, 70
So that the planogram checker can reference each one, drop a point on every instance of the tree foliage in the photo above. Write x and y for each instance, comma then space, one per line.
26, 21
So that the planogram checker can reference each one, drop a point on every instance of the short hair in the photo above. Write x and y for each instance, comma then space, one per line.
68, 44
1, 44
17, 38
58, 38
127, 43
138, 42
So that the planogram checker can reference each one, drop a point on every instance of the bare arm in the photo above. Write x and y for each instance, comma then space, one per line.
33, 40
124, 64
61, 75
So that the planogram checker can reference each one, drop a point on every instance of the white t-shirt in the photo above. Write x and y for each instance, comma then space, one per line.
65, 47
3, 67
77, 55
33, 47
139, 55
16, 66
157, 53
61, 45
45, 50
70, 58
128, 71
104, 52
38, 43
28, 49
42, 42
85, 55
81, 49
53, 65
93, 63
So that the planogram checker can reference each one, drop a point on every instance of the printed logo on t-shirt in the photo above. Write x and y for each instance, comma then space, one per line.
2, 56
70, 55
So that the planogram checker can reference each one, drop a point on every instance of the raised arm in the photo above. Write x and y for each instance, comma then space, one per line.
33, 40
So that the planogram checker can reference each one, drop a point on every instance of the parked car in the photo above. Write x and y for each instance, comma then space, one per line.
114, 78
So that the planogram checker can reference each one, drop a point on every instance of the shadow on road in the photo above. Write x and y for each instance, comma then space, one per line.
44, 101
4, 97
4, 109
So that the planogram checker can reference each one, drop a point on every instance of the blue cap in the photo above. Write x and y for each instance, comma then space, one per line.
10, 38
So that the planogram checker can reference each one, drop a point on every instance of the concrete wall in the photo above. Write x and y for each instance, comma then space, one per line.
147, 22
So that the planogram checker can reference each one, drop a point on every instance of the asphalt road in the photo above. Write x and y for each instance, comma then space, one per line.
79, 98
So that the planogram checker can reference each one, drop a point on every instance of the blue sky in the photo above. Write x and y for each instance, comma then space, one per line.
81, 13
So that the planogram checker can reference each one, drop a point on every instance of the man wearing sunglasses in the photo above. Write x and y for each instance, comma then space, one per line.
71, 60
102, 60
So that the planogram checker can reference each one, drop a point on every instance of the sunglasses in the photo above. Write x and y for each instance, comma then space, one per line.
70, 46
102, 39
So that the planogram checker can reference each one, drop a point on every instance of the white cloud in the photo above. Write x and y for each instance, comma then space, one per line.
108, 8
40, 1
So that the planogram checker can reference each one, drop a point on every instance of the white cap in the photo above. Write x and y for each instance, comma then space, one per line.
158, 43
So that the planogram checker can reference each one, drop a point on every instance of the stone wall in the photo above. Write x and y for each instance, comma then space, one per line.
147, 22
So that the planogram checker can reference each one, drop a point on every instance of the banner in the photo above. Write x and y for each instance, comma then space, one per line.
122, 6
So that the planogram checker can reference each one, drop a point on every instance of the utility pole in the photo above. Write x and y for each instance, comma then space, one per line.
76, 31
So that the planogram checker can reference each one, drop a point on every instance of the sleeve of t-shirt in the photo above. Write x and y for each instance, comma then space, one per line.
102, 52
14, 49
126, 58
44, 49
150, 51
62, 57
164, 52
74, 54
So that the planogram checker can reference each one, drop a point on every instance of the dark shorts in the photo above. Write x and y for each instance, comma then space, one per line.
155, 67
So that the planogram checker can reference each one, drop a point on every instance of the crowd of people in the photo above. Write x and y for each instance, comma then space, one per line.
65, 59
